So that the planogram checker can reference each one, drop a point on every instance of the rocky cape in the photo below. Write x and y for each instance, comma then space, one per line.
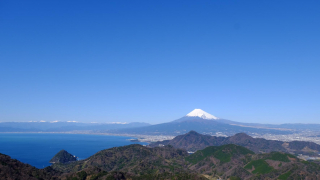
63, 157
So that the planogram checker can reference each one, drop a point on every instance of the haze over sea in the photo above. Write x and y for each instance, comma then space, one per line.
37, 149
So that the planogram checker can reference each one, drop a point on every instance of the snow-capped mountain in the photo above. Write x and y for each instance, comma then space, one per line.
200, 121
202, 114
205, 123
197, 115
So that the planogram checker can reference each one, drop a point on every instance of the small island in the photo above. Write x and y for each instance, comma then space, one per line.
63, 157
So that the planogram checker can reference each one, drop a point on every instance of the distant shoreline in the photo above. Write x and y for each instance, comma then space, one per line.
139, 137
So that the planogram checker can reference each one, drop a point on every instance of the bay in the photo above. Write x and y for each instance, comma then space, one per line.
37, 149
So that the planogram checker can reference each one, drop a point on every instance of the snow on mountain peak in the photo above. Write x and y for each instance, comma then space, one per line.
202, 114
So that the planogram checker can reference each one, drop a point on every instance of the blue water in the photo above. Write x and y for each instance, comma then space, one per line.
37, 149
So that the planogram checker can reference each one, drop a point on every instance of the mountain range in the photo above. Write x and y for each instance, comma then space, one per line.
224, 162
205, 123
197, 120
194, 141
137, 162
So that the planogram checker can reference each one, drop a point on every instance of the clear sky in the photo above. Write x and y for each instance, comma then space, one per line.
155, 61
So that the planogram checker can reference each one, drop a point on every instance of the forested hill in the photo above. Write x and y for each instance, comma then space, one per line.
137, 162
194, 141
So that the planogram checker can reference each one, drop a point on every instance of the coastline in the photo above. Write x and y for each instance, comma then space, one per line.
37, 148
138, 137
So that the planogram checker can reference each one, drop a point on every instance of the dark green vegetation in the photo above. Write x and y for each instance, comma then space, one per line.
259, 166
133, 162
285, 176
124, 158
278, 156
234, 178
223, 153
137, 162
63, 157
236, 162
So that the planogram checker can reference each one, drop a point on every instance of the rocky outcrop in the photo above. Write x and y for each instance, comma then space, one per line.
63, 157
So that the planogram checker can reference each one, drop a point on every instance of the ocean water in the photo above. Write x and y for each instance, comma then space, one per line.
37, 149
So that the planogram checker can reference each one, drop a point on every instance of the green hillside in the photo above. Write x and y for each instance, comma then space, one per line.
223, 153
279, 156
260, 166
285, 176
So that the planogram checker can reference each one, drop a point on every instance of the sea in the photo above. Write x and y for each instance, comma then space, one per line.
37, 149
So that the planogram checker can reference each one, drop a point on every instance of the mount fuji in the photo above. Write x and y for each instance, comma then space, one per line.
196, 115
202, 122
202, 114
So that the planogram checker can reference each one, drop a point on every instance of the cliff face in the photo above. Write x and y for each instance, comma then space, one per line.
63, 157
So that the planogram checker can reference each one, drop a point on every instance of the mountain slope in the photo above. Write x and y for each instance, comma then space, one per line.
193, 123
14, 169
223, 153
200, 121
224, 162
135, 160
236, 162
120, 158
193, 141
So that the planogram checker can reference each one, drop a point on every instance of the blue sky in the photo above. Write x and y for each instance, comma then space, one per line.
155, 61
